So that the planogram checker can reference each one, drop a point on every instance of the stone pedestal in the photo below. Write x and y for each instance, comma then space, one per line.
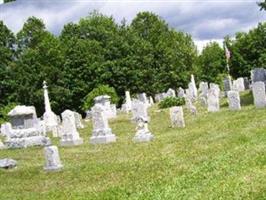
52, 159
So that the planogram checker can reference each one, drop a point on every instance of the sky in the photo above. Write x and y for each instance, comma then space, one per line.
205, 20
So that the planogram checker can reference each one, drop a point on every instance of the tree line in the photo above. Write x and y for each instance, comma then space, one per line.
146, 55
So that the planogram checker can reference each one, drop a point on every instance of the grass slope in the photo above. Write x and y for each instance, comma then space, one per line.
217, 156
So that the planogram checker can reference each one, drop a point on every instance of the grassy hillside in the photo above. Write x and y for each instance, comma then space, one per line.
217, 156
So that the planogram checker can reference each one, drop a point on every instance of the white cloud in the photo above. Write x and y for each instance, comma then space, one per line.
204, 20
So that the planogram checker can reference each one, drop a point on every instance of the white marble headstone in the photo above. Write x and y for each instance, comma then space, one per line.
233, 100
177, 116
52, 159
259, 96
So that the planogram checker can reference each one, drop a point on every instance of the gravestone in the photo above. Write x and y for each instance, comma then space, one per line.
70, 135
24, 130
171, 93
105, 101
181, 92
128, 104
258, 90
78, 120
213, 100
203, 91
52, 159
177, 116
227, 84
258, 75
140, 116
8, 163
50, 118
101, 133
246, 83
234, 100
151, 101
190, 106
193, 87
238, 85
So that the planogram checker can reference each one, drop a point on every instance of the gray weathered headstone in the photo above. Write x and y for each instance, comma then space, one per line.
52, 159
258, 74
246, 83
8, 163
101, 133
227, 84
171, 93
213, 100
70, 135
259, 96
233, 100
177, 116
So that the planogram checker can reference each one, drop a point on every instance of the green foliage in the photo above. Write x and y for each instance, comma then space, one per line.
212, 63
99, 91
4, 110
7, 1
248, 51
262, 5
171, 101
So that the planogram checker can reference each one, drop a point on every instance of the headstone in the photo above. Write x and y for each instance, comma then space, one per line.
101, 133
258, 90
151, 101
78, 120
227, 84
258, 75
181, 92
52, 159
190, 106
177, 116
246, 83
8, 163
203, 91
128, 104
193, 87
105, 101
143, 98
238, 85
140, 116
24, 130
70, 134
213, 100
50, 119
139, 110
171, 93
234, 100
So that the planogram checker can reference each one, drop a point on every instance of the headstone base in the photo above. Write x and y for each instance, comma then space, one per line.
143, 137
14, 143
53, 168
103, 139
71, 142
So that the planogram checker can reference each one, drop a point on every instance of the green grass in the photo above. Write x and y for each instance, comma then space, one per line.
217, 156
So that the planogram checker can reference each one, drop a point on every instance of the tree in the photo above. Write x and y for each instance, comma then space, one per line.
7, 54
262, 5
39, 58
212, 63
248, 51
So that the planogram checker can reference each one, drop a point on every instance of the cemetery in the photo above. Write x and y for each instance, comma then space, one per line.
98, 109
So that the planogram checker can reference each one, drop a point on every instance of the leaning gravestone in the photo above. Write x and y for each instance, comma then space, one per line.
70, 135
258, 90
101, 133
52, 159
177, 116
234, 100
213, 100
140, 116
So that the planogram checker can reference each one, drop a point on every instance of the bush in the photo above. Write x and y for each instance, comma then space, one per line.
4, 110
171, 101
100, 90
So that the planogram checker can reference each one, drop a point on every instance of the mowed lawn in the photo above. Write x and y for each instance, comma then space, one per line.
217, 156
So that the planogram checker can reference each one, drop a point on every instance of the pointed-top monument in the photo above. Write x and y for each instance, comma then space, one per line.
50, 119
